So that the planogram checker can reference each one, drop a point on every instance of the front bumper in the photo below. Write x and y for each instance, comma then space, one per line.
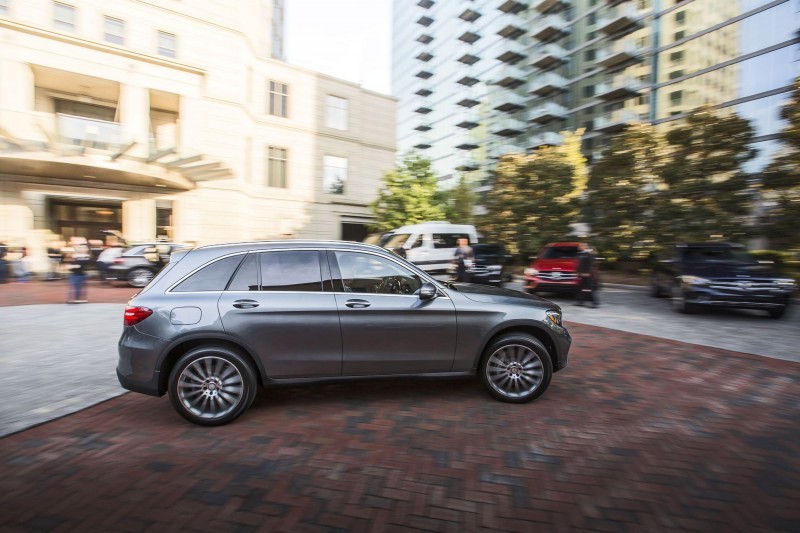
533, 283
712, 295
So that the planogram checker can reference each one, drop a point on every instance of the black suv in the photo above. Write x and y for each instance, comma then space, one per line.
140, 263
720, 275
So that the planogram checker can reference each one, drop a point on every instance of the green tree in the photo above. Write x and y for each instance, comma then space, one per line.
623, 190
459, 202
781, 182
706, 189
408, 195
529, 204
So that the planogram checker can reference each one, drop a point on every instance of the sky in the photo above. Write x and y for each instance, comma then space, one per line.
348, 39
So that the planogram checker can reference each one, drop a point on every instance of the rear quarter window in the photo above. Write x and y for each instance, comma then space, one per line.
212, 277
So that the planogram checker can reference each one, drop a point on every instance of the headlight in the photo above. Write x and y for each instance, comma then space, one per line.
554, 317
785, 283
495, 268
694, 280
531, 272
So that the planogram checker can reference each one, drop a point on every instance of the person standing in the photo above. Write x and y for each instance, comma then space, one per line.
77, 277
587, 272
464, 260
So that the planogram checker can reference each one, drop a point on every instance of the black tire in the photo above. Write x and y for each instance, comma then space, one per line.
516, 368
777, 312
655, 288
679, 302
212, 385
139, 277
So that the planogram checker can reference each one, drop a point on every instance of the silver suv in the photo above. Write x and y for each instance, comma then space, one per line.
220, 321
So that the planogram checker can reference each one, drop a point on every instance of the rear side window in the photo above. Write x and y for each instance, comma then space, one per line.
448, 240
246, 278
212, 277
296, 271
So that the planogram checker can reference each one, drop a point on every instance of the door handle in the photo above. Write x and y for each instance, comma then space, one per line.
245, 304
357, 304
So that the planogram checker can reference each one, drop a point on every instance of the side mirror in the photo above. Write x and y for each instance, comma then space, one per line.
427, 291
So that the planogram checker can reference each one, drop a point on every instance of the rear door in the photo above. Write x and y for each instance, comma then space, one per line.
386, 328
279, 306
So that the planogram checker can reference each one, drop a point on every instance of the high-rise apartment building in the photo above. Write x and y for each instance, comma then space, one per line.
478, 79
177, 119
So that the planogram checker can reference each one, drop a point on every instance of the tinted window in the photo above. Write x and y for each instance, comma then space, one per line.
291, 271
559, 252
213, 277
368, 273
722, 255
448, 240
246, 278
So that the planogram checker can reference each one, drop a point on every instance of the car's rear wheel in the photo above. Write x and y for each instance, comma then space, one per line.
212, 385
139, 277
516, 368
777, 312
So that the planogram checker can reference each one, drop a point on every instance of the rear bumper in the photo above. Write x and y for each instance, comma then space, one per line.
137, 366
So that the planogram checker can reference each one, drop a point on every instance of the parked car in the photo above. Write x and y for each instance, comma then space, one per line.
714, 274
489, 267
429, 245
140, 263
220, 321
554, 269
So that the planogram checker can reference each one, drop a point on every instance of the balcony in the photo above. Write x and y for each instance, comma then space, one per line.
509, 102
424, 74
468, 58
615, 121
468, 101
620, 21
548, 56
468, 165
423, 110
425, 4
467, 145
468, 81
615, 2
547, 112
547, 138
469, 37
468, 121
425, 38
508, 127
424, 57
424, 91
619, 54
512, 6
498, 151
424, 127
512, 31
550, 6
547, 83
548, 27
513, 52
469, 15
423, 144
425, 21
621, 87
510, 76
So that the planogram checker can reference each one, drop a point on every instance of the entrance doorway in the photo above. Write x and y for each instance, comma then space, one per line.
83, 218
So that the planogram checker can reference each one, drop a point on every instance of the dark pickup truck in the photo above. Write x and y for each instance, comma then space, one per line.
720, 275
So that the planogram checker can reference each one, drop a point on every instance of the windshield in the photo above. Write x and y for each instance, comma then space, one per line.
718, 255
559, 252
396, 240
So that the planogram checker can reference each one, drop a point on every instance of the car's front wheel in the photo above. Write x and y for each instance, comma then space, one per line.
777, 312
139, 277
516, 368
212, 385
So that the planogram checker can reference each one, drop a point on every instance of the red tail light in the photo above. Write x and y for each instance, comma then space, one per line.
134, 315
118, 261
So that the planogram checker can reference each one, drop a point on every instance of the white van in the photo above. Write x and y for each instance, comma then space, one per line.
430, 245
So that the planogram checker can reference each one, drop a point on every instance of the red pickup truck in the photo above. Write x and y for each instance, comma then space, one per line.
554, 269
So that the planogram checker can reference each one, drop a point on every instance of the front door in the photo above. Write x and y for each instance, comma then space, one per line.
386, 328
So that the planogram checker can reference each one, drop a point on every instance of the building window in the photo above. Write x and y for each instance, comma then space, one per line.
276, 167
676, 57
675, 74
334, 174
336, 112
680, 35
589, 55
680, 17
114, 30
676, 98
588, 91
278, 99
167, 44
63, 16
591, 19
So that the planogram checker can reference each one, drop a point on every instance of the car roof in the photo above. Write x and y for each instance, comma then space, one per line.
289, 243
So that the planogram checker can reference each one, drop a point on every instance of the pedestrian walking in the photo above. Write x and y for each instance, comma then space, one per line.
464, 260
587, 272
21, 269
78, 262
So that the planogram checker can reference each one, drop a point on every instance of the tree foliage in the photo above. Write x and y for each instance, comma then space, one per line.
408, 196
459, 202
781, 182
530, 203
623, 190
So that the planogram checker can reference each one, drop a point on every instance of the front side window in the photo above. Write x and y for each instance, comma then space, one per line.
334, 174
213, 277
167, 44
114, 30
294, 271
276, 167
63, 16
448, 240
336, 112
278, 99
246, 278
366, 273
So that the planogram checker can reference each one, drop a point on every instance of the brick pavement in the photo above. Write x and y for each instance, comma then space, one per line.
637, 434
55, 292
